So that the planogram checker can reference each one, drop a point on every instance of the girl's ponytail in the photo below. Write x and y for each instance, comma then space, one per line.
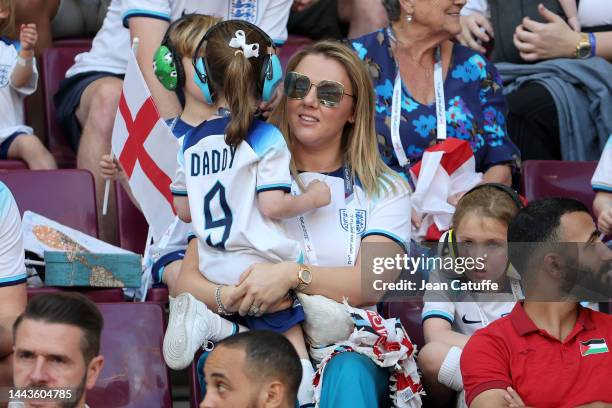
239, 86
235, 76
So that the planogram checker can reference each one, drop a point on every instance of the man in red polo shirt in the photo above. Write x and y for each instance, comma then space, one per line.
551, 354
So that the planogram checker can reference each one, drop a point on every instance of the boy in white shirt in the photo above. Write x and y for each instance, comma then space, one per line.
18, 78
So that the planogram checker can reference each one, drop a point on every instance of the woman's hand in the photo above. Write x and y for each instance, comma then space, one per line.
538, 41
475, 31
264, 286
229, 299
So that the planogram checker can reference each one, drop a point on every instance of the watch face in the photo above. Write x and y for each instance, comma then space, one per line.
584, 52
306, 276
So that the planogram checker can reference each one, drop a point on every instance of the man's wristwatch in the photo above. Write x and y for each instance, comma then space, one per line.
304, 277
584, 47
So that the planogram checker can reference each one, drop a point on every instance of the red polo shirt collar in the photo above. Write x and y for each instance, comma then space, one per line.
524, 325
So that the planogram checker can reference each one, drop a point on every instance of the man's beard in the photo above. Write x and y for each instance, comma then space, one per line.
596, 279
77, 393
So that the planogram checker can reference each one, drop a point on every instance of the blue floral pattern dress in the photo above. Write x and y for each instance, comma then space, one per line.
475, 111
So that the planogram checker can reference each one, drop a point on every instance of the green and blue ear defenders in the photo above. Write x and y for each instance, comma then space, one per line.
271, 72
451, 239
167, 65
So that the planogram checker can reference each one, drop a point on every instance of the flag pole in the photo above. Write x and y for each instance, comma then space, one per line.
135, 43
146, 260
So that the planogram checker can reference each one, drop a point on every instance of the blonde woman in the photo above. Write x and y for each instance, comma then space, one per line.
326, 117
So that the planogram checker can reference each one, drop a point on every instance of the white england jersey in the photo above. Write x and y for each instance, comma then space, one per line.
12, 262
328, 229
602, 179
110, 48
222, 183
465, 316
11, 97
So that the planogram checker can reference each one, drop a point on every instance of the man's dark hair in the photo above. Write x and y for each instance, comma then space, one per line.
538, 222
269, 355
67, 308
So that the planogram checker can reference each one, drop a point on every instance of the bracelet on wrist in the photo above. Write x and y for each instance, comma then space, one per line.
221, 310
24, 62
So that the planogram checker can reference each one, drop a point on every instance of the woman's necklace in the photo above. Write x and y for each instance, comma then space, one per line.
420, 84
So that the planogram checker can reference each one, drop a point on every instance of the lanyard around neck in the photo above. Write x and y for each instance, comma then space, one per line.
396, 106
351, 221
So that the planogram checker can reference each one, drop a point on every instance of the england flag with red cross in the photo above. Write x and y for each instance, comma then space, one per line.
146, 149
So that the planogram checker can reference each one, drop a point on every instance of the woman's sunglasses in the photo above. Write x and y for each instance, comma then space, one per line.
329, 93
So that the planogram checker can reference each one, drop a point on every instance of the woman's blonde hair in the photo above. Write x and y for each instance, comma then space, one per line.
188, 31
7, 25
358, 138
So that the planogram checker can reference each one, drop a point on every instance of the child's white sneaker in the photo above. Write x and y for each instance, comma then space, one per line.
190, 325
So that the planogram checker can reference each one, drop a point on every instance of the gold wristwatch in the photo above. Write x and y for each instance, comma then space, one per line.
583, 49
304, 277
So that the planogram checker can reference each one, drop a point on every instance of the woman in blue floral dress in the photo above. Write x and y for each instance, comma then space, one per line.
475, 104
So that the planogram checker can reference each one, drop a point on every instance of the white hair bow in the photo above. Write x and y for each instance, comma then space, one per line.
239, 41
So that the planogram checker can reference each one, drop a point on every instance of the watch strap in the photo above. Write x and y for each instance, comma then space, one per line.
593, 41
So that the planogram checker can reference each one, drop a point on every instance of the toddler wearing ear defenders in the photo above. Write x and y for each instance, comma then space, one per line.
173, 69
238, 182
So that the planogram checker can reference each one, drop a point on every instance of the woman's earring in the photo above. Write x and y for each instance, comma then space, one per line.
409, 18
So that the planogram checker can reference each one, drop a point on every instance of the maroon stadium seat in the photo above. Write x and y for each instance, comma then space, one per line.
74, 42
409, 313
13, 165
551, 178
134, 373
133, 230
65, 196
158, 295
294, 44
95, 294
132, 224
55, 63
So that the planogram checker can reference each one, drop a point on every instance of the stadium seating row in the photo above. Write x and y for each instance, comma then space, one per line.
73, 189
